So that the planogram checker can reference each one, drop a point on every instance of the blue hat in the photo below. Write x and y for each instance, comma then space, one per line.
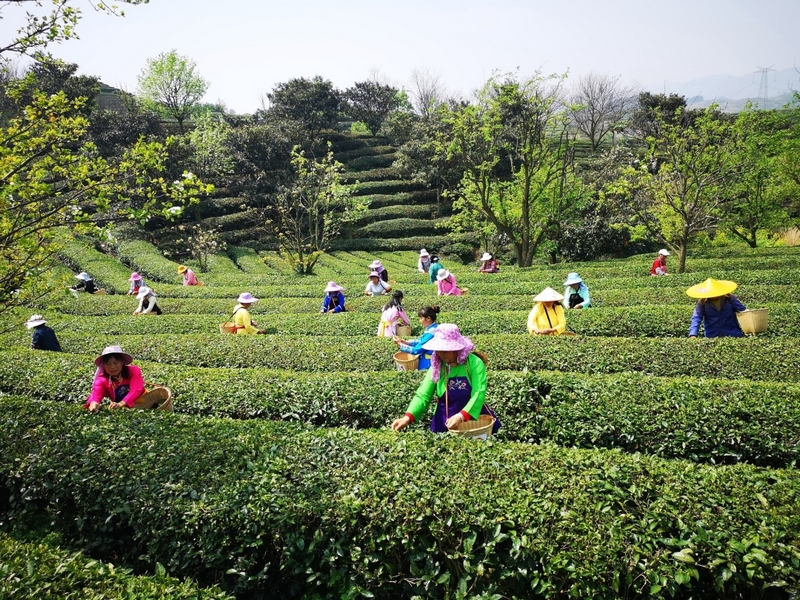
572, 278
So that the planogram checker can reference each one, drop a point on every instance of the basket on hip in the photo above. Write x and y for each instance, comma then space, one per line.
480, 428
753, 321
159, 397
227, 327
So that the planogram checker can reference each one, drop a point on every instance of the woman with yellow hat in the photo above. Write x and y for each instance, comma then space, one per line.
716, 309
547, 316
189, 278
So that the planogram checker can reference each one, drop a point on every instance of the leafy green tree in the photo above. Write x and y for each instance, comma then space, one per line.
170, 81
371, 103
757, 201
312, 104
681, 187
519, 161
309, 213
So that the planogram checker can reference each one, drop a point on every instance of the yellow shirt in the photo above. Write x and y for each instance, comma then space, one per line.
538, 318
242, 320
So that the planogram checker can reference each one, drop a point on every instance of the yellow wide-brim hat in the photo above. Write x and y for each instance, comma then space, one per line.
711, 288
182, 269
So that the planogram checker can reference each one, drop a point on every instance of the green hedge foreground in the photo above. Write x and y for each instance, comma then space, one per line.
698, 419
761, 359
289, 511
41, 572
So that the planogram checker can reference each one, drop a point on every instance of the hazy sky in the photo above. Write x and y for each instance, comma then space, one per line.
245, 47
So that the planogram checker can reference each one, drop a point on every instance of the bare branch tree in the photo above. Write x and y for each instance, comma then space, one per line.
600, 104
427, 92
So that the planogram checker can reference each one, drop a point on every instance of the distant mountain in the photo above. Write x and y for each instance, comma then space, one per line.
732, 92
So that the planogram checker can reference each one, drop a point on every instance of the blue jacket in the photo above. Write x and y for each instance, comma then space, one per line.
417, 349
327, 302
44, 338
717, 323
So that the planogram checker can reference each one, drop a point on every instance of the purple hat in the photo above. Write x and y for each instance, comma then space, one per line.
332, 287
375, 274
126, 358
376, 265
246, 298
447, 338
135, 277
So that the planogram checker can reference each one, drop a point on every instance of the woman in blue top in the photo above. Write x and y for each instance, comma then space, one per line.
716, 308
334, 299
576, 294
427, 318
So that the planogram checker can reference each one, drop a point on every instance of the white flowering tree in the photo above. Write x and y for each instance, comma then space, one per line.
201, 244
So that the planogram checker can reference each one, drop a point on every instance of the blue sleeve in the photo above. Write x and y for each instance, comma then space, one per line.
737, 304
37, 340
697, 318
587, 300
325, 302
416, 347
340, 307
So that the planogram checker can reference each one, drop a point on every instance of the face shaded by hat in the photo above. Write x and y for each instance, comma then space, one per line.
246, 298
135, 277
447, 338
109, 350
442, 274
333, 287
548, 294
35, 321
182, 269
486, 256
711, 288
144, 291
572, 279
423, 252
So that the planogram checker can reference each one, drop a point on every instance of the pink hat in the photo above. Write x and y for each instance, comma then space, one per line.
332, 287
246, 298
126, 358
375, 274
447, 338
134, 277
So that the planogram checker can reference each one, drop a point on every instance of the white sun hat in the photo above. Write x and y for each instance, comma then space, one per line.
35, 321
143, 291
486, 256
664, 252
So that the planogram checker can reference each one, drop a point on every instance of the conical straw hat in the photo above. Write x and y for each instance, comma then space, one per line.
548, 294
711, 288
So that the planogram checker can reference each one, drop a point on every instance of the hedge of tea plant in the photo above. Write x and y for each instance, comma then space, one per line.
39, 571
260, 507
703, 420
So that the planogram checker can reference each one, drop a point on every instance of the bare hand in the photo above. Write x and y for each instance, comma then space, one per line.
453, 421
117, 405
94, 407
401, 423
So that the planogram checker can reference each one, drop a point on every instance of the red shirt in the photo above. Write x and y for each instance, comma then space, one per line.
659, 266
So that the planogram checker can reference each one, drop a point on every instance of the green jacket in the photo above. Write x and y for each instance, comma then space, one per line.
475, 372
433, 270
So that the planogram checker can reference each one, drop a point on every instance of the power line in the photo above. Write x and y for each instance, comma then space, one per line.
763, 88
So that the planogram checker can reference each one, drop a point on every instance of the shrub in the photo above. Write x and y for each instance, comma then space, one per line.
292, 511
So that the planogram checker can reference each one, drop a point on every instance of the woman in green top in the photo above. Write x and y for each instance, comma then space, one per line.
457, 378
434, 269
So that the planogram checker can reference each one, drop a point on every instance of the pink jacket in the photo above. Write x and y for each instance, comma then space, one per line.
103, 387
448, 287
189, 277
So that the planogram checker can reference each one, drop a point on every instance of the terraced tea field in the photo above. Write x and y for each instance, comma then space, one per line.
632, 461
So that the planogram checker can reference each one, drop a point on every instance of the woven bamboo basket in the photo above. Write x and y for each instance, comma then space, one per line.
406, 361
159, 397
100, 292
480, 428
753, 321
227, 327
403, 331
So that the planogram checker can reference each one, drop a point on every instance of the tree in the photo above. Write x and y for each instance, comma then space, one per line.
51, 176
310, 212
757, 191
680, 189
428, 93
654, 109
371, 102
519, 161
600, 106
312, 104
170, 81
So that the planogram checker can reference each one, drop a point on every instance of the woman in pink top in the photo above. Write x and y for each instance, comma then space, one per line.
393, 313
117, 379
446, 283
188, 275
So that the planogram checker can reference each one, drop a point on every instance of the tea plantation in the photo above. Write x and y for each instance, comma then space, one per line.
632, 462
